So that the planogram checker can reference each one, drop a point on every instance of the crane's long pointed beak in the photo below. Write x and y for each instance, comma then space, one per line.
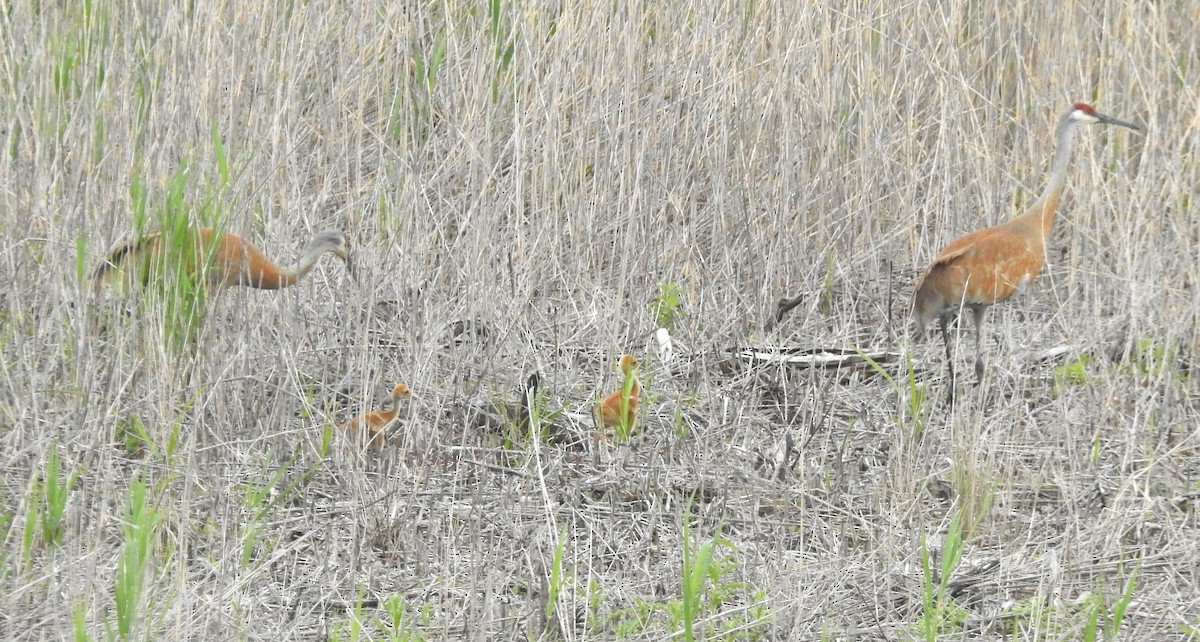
350, 267
1109, 120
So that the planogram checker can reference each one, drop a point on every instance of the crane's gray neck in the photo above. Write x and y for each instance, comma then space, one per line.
288, 276
1064, 137
307, 261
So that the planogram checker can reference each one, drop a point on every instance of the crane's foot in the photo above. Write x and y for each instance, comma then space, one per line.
978, 371
950, 390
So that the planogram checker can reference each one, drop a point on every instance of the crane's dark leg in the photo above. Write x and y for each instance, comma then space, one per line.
949, 357
979, 312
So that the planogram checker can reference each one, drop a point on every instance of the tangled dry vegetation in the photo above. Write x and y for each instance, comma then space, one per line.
534, 188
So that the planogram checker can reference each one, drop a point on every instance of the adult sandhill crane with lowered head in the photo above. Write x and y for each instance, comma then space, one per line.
989, 265
231, 259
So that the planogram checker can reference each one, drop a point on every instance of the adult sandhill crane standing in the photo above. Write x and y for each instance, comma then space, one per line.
989, 265
375, 423
232, 260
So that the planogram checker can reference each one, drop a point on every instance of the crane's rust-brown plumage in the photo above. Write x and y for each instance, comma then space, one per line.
990, 265
617, 409
223, 258
376, 423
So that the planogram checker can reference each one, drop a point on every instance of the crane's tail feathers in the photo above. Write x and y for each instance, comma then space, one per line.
113, 261
926, 304
116, 257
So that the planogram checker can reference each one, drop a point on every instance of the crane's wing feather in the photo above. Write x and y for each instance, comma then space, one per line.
988, 265
962, 246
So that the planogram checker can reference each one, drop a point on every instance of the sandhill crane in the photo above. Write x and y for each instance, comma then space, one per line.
376, 422
231, 260
989, 265
620, 407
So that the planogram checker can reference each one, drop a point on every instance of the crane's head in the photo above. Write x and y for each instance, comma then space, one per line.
1084, 113
401, 391
333, 241
628, 363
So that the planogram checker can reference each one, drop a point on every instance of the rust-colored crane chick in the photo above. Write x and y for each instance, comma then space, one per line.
231, 259
620, 407
377, 422
989, 265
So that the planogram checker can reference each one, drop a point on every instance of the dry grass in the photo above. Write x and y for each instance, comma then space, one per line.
743, 153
